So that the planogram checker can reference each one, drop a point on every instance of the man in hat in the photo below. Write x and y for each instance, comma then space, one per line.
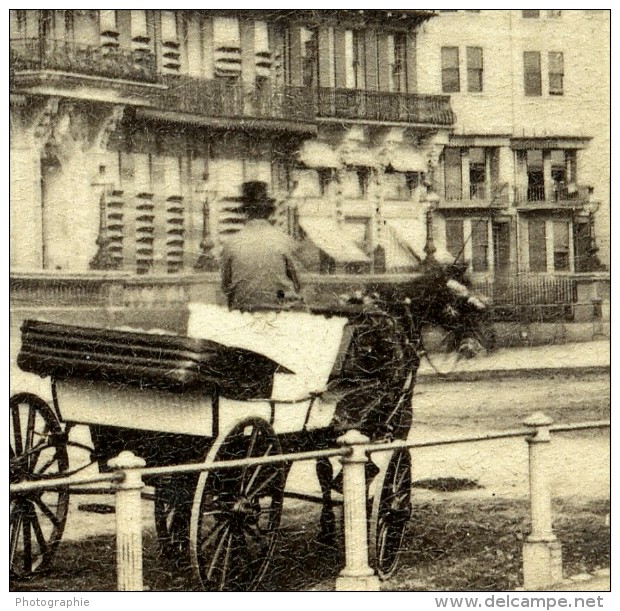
258, 268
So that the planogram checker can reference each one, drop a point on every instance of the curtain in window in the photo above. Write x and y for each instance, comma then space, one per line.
556, 73
474, 69
453, 173
450, 80
455, 239
531, 71
537, 245
561, 262
480, 245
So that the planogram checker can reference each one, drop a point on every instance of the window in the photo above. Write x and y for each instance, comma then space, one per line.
309, 40
450, 79
561, 261
556, 73
139, 31
107, 22
474, 69
554, 14
455, 241
480, 245
531, 71
530, 14
453, 173
537, 245
227, 46
398, 62
477, 173
535, 176
359, 59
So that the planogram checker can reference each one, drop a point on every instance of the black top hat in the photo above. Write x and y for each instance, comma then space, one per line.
254, 196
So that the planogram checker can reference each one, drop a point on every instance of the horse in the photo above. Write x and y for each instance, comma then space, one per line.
385, 353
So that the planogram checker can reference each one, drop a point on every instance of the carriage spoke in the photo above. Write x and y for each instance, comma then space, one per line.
49, 514
227, 556
249, 452
213, 532
16, 529
17, 430
48, 464
218, 551
27, 541
30, 435
267, 452
263, 484
38, 533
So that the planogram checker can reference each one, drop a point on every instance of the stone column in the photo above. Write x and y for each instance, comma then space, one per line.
30, 130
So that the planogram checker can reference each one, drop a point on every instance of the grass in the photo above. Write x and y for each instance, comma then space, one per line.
450, 545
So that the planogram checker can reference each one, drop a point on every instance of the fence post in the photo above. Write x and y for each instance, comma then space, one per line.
357, 576
128, 522
542, 552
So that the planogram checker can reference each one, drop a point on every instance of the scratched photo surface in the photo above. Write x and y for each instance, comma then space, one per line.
309, 300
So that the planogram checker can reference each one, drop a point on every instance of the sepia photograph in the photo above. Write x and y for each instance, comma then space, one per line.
310, 300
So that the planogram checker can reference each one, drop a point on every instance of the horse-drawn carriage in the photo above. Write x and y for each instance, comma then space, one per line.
175, 399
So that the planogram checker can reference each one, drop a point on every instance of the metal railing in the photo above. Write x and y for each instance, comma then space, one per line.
542, 565
398, 107
531, 299
76, 58
569, 195
232, 98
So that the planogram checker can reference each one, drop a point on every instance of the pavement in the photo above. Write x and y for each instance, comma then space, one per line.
576, 358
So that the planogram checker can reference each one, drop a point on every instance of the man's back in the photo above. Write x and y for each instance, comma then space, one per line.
258, 267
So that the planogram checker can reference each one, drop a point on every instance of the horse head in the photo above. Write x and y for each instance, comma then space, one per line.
440, 295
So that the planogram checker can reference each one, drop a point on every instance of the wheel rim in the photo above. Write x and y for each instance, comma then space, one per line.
172, 507
391, 511
236, 512
38, 450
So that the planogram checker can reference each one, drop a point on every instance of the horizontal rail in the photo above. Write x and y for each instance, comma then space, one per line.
246, 462
64, 482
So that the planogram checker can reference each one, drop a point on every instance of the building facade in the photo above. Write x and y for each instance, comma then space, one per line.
133, 130
524, 178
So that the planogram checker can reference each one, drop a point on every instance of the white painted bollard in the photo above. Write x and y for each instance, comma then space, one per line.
542, 552
357, 576
128, 522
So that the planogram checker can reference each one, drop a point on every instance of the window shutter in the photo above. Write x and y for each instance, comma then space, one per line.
227, 46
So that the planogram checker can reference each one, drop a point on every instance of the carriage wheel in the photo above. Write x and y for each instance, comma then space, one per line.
236, 512
38, 450
173, 504
391, 510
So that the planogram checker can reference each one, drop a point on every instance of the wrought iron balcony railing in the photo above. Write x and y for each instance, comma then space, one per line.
570, 195
384, 106
232, 98
91, 60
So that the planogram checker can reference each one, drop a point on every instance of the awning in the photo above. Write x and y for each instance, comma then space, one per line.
360, 157
319, 155
411, 234
407, 160
327, 236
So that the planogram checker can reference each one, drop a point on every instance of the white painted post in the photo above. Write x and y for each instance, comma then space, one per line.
357, 576
128, 522
542, 552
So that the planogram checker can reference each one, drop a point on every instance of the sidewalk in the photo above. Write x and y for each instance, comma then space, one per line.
577, 358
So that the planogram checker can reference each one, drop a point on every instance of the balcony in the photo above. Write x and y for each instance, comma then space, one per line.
481, 196
558, 197
220, 100
384, 106
34, 55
